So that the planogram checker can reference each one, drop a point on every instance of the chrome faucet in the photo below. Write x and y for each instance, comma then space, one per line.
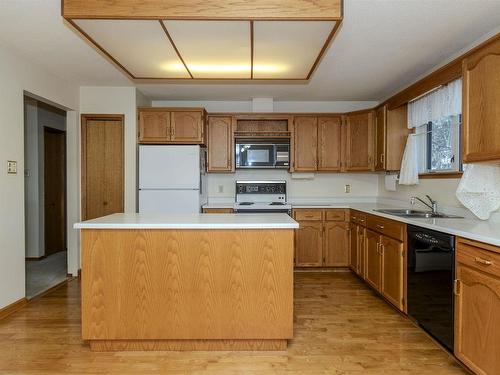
433, 206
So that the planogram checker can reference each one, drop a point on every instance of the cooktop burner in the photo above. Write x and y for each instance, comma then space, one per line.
246, 203
277, 204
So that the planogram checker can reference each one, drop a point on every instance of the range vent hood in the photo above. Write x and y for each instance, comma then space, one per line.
209, 40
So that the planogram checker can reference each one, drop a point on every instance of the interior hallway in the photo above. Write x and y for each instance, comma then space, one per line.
44, 274
341, 327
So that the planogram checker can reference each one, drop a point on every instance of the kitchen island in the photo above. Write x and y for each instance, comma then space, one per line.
187, 281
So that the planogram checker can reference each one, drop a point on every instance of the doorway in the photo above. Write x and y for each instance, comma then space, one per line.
45, 196
102, 165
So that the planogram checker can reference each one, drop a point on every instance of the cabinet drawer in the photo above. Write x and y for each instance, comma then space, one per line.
478, 255
358, 217
305, 214
218, 211
386, 227
335, 215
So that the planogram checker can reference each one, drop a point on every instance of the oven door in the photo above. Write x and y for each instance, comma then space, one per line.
255, 155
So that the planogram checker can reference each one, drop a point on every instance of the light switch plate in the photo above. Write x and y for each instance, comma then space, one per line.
11, 167
347, 189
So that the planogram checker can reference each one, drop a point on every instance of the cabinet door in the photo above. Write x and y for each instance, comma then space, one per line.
393, 267
187, 127
329, 143
373, 263
396, 134
336, 250
380, 137
154, 127
309, 244
361, 244
477, 320
220, 144
359, 142
353, 248
481, 105
306, 143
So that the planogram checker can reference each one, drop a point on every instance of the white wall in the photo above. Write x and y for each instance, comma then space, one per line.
120, 101
289, 107
18, 75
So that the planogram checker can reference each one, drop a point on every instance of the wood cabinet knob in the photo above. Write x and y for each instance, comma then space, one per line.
104, 203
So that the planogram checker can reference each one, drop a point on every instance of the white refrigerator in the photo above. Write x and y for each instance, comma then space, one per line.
172, 179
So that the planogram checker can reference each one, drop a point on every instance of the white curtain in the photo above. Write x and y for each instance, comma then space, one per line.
442, 102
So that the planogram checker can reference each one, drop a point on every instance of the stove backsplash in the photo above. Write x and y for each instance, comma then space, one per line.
322, 185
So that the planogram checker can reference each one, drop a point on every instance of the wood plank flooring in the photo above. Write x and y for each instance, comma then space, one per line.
341, 327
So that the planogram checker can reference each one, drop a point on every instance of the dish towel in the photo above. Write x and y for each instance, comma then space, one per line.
409, 165
479, 189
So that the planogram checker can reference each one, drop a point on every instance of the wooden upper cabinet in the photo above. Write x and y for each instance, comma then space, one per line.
309, 244
380, 137
481, 105
220, 144
393, 263
359, 141
336, 244
373, 259
171, 126
154, 127
187, 127
329, 143
306, 143
396, 135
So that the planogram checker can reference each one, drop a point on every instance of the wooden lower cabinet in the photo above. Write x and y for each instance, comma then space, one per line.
309, 244
393, 266
373, 260
353, 248
336, 243
477, 307
222, 210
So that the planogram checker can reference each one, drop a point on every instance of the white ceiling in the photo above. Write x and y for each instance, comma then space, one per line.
382, 46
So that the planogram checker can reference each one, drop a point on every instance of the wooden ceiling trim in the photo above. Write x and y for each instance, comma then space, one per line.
204, 9
175, 48
323, 49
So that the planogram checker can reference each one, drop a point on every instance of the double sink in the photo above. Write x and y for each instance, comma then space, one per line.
402, 212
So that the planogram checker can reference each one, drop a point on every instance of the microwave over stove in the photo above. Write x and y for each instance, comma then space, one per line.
262, 153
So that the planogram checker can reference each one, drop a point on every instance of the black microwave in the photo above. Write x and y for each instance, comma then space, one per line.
264, 153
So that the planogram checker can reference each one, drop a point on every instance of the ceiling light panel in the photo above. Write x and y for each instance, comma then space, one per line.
140, 46
288, 49
213, 49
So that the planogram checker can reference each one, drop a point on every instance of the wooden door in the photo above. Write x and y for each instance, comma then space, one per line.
353, 248
336, 244
359, 141
186, 127
380, 137
477, 319
154, 127
220, 144
481, 105
306, 143
373, 261
361, 244
102, 166
54, 171
309, 244
329, 143
393, 266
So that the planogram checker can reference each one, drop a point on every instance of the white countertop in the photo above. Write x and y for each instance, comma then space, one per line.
468, 227
190, 221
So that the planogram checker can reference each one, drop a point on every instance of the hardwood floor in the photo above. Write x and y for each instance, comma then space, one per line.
341, 327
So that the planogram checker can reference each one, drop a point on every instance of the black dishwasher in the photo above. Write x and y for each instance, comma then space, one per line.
431, 273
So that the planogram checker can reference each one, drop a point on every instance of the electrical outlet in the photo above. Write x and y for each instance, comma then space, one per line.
221, 189
347, 189
11, 167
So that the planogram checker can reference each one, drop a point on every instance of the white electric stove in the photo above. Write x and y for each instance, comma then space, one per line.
261, 196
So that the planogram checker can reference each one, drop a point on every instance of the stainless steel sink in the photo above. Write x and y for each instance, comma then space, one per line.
403, 212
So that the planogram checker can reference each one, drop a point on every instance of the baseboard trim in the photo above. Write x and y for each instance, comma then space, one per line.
13, 307
50, 290
31, 259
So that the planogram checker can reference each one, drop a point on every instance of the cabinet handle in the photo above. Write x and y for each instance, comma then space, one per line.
382, 157
362, 220
172, 131
354, 218
380, 226
483, 261
381, 249
456, 287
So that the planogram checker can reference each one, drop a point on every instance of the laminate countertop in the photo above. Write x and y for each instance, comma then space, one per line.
190, 221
